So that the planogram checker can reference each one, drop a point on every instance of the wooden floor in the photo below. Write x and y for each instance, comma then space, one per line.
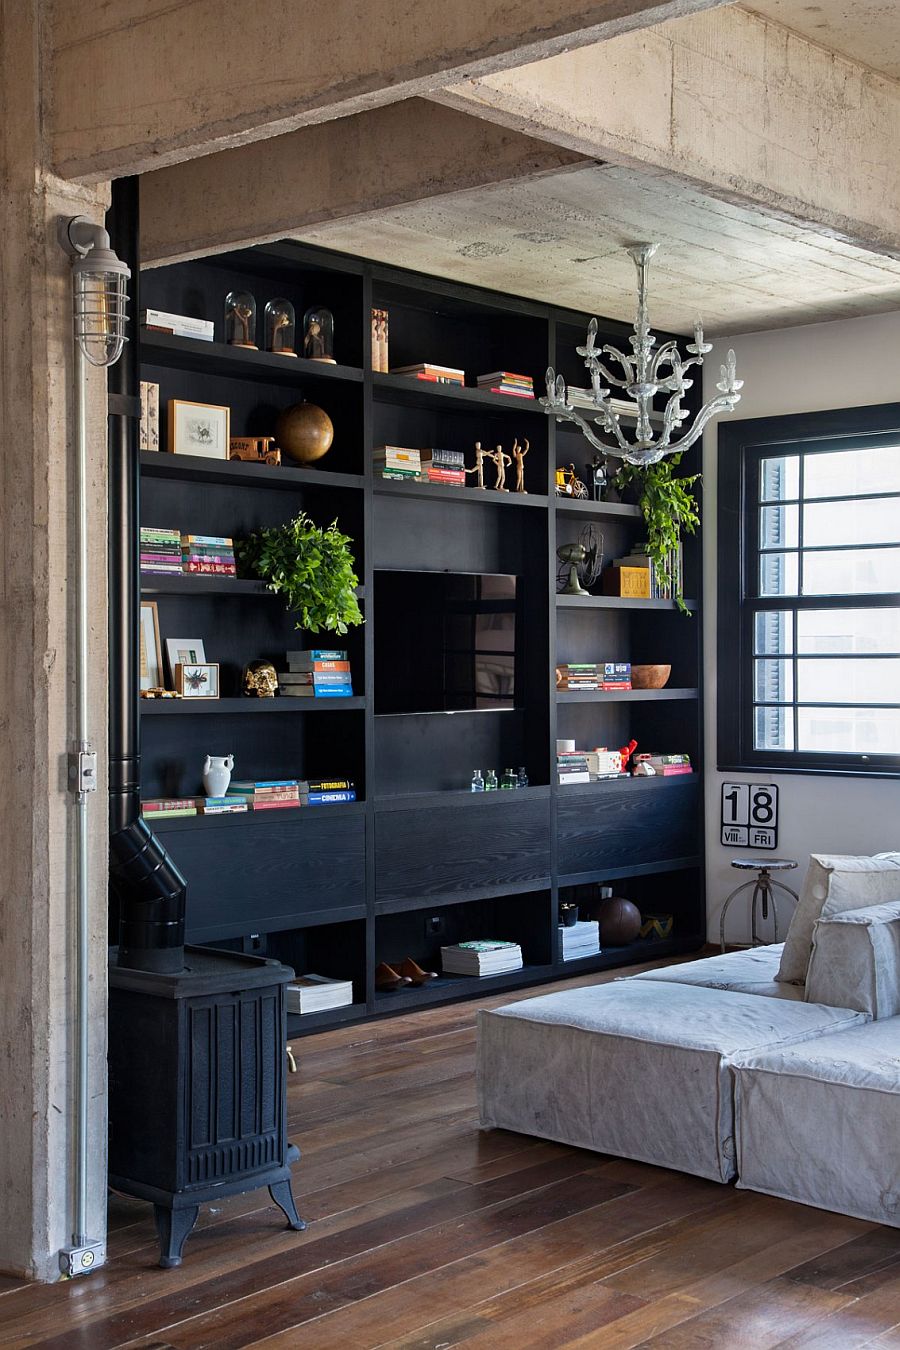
426, 1233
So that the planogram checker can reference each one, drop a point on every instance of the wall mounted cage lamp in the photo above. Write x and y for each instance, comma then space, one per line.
100, 284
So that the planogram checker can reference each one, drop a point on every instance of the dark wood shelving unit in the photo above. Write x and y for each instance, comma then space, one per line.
337, 889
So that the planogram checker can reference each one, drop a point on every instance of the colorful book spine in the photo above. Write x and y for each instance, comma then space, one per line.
329, 798
317, 654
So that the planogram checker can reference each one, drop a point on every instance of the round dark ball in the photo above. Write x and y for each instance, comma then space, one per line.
620, 922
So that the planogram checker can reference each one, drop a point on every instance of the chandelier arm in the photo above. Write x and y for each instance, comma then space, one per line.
626, 362
601, 373
569, 414
724, 403
667, 352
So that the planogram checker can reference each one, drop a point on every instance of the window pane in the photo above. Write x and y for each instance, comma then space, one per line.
775, 632
843, 630
849, 731
850, 473
778, 574
773, 729
865, 522
850, 681
874, 571
779, 479
778, 526
775, 682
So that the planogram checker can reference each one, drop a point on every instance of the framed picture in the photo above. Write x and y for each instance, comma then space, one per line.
151, 649
199, 429
200, 680
184, 652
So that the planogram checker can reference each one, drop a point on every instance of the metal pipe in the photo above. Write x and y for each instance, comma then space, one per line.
82, 733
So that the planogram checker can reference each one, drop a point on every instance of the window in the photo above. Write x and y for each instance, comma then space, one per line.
809, 592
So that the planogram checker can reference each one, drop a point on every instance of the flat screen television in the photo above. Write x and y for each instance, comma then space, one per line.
445, 642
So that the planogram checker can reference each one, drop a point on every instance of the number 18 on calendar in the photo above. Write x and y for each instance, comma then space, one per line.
750, 815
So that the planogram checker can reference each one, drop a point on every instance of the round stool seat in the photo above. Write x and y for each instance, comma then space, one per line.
770, 864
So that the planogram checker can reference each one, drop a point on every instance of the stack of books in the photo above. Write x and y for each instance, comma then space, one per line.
317, 993
396, 461
220, 806
666, 766
594, 675
579, 939
162, 808
321, 672
266, 794
481, 958
504, 382
179, 325
160, 550
424, 370
326, 791
444, 466
572, 766
208, 554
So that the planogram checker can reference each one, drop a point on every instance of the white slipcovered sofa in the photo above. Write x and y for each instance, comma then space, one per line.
777, 1067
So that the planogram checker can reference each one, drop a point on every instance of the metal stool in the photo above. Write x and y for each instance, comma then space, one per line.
763, 891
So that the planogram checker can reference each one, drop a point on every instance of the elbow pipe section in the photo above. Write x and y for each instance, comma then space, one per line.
151, 894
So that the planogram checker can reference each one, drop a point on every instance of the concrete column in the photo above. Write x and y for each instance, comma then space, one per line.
37, 687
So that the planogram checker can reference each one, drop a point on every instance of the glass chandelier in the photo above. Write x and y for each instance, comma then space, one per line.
645, 374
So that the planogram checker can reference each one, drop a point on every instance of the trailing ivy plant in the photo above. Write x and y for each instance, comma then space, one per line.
669, 509
311, 567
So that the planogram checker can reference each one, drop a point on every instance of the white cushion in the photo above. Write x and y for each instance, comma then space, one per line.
835, 883
820, 1122
855, 961
635, 1068
751, 971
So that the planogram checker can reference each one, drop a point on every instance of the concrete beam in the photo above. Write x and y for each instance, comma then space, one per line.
138, 84
352, 167
737, 106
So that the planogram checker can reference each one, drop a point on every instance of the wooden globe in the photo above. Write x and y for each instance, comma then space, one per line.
304, 433
620, 922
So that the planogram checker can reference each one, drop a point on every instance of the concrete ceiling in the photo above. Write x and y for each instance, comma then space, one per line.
868, 32
559, 238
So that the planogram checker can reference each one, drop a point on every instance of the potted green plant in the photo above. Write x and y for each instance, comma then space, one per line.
311, 566
669, 508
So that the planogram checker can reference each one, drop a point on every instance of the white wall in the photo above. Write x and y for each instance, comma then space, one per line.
821, 366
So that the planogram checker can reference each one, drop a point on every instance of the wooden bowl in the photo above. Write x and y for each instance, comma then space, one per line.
650, 677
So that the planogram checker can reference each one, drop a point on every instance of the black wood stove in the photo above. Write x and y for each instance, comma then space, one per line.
197, 1037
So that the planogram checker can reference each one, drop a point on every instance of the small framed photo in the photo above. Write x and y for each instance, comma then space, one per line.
199, 429
151, 648
200, 680
185, 652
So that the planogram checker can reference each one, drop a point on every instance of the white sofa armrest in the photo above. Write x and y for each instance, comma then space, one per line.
855, 961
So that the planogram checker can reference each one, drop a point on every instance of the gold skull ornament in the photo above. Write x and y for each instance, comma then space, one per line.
260, 680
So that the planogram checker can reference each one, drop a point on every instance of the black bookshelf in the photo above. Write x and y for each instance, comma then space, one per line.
418, 861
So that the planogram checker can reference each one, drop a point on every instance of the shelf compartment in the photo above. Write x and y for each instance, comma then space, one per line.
218, 358
623, 695
617, 602
225, 707
245, 819
632, 954
611, 828
450, 987
616, 511
411, 801
241, 473
390, 487
413, 393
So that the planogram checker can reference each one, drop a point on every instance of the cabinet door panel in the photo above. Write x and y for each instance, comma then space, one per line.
461, 851
627, 825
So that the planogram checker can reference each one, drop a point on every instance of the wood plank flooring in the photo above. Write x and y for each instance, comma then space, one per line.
427, 1234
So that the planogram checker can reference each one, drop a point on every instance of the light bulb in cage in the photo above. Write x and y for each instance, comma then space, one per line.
100, 282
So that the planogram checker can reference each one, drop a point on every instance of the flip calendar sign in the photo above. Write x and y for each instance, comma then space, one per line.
750, 815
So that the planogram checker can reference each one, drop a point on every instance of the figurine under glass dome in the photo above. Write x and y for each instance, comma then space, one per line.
281, 327
240, 320
318, 335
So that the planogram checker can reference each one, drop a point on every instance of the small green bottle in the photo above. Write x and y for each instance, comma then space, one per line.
509, 779
490, 780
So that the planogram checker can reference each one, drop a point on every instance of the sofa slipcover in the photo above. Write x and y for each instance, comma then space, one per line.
856, 961
635, 1068
820, 1122
835, 883
751, 971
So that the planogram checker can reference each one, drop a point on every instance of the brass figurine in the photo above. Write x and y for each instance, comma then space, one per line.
518, 453
478, 467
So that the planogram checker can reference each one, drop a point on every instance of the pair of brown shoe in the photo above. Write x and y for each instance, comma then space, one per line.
406, 974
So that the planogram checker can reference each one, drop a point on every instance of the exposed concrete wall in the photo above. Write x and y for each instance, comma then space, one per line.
36, 679
739, 106
830, 365
139, 85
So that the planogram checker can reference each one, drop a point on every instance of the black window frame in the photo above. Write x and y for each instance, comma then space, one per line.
741, 447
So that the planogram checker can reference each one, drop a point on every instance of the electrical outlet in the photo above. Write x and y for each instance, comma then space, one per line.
434, 925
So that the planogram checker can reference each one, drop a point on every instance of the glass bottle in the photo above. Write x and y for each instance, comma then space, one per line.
477, 781
281, 327
509, 779
240, 320
522, 778
318, 335
490, 780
